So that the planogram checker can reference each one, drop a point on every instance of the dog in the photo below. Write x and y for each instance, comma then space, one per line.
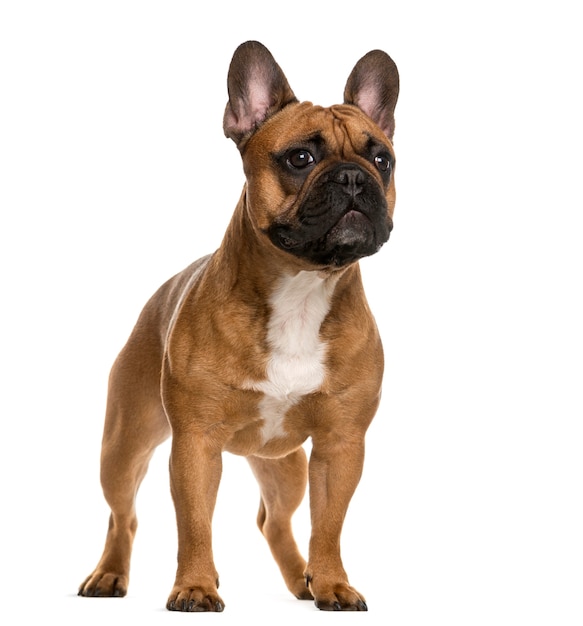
266, 342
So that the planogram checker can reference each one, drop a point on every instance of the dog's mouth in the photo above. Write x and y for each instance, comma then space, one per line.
352, 227
353, 236
335, 228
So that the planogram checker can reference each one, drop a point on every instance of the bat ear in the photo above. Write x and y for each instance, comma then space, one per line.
257, 89
373, 86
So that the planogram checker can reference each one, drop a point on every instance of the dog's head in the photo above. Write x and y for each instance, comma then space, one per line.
320, 181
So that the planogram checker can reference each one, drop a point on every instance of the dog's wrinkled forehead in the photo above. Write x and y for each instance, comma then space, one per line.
342, 129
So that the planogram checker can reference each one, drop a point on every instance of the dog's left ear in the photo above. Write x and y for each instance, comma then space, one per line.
373, 86
257, 89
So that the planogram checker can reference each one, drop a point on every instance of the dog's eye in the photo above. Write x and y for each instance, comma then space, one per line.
383, 163
300, 158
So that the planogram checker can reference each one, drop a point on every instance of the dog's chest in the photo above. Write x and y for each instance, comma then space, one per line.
296, 365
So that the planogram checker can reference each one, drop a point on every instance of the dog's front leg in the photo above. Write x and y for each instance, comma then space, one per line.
335, 470
195, 472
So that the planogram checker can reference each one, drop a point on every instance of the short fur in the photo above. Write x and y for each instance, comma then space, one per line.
265, 343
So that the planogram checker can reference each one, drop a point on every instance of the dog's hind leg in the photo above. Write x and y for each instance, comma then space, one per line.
135, 424
283, 484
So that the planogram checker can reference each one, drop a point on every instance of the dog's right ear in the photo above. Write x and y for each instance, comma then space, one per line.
257, 89
373, 86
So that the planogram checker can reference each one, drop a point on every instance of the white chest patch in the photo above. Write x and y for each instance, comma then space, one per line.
299, 305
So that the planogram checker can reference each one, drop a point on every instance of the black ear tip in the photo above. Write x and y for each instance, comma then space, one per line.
379, 62
251, 43
252, 50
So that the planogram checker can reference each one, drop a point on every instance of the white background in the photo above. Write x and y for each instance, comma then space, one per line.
115, 174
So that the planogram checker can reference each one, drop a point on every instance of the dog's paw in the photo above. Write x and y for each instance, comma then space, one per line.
304, 594
300, 589
337, 597
104, 585
195, 600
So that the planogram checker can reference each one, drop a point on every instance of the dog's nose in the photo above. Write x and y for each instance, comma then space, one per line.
351, 178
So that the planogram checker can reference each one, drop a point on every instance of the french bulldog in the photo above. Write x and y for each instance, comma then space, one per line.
265, 343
